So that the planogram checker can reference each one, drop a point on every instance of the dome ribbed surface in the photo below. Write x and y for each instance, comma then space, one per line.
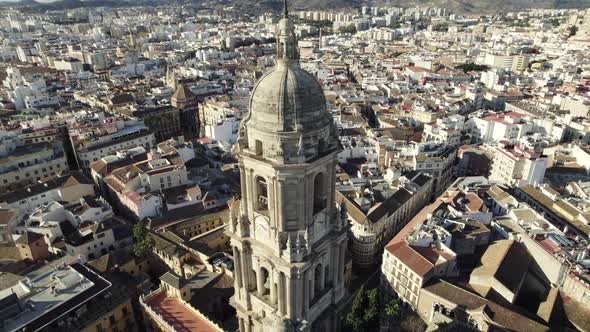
287, 98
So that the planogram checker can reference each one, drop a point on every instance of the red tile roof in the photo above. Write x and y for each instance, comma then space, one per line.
178, 315
411, 258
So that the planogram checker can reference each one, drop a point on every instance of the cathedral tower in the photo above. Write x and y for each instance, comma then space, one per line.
288, 237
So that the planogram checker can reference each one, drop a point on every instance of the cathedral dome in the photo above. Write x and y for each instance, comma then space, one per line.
286, 99
288, 121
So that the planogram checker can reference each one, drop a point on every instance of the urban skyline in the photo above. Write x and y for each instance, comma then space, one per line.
185, 167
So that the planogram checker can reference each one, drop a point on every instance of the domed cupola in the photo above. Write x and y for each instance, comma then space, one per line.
288, 121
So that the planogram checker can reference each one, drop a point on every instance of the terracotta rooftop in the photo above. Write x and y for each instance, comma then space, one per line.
179, 315
411, 258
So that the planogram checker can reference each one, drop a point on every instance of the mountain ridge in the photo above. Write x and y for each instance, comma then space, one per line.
259, 6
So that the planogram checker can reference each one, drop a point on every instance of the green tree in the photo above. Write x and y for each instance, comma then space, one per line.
347, 29
371, 316
354, 319
364, 315
395, 25
393, 312
393, 309
467, 67
572, 31
143, 241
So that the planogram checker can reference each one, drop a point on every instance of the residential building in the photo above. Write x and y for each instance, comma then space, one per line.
135, 188
66, 297
377, 215
91, 143
514, 165
67, 188
22, 164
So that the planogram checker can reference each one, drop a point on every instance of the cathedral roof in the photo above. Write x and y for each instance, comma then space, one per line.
287, 98
288, 122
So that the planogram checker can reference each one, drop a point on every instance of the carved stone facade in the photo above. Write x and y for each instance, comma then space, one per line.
289, 239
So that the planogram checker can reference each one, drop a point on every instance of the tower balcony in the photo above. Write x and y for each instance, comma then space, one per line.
319, 204
262, 205
263, 301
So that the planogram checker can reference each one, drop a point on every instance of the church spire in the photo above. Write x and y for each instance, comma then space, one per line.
285, 10
286, 40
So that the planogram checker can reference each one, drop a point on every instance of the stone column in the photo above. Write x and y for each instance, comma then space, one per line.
237, 267
290, 296
339, 267
332, 184
250, 193
244, 198
248, 324
322, 278
245, 274
282, 294
273, 288
342, 261
305, 288
242, 328
260, 281
270, 189
309, 188
336, 264
280, 221
312, 285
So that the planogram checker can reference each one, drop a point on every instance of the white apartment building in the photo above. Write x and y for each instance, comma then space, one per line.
508, 62
98, 239
359, 147
22, 163
515, 166
67, 188
135, 188
48, 218
91, 149
445, 130
429, 157
20, 86
437, 160
220, 121
494, 127
70, 64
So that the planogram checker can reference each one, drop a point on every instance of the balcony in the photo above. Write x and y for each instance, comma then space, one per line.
262, 205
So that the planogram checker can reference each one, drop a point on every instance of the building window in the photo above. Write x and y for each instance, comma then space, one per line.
319, 190
258, 148
261, 194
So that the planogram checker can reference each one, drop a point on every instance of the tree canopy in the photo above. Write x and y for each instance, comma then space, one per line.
572, 31
364, 315
347, 29
143, 241
393, 309
467, 67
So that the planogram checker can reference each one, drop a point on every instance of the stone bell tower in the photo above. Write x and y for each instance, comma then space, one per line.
288, 237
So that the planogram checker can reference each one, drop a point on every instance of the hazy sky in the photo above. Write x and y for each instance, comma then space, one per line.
35, 0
